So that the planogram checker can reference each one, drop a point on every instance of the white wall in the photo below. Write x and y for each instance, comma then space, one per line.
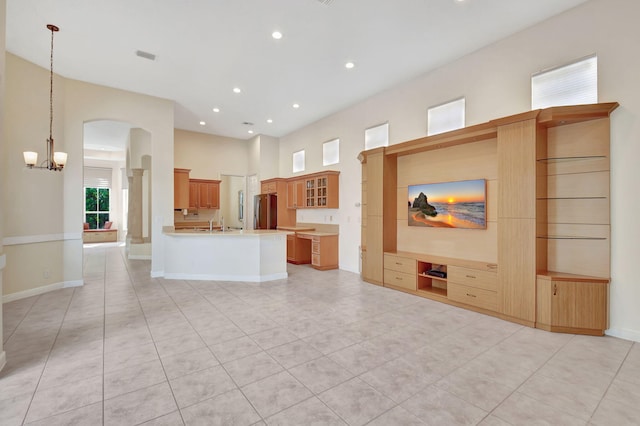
3, 178
496, 83
209, 156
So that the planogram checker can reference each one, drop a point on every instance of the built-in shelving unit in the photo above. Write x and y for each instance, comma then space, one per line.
548, 241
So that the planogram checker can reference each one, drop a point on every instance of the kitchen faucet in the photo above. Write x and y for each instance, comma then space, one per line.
211, 224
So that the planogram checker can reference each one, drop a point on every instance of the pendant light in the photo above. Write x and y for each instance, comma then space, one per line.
55, 160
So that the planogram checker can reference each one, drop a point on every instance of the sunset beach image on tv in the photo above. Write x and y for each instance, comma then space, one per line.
460, 204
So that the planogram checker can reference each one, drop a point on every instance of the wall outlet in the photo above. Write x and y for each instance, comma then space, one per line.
46, 273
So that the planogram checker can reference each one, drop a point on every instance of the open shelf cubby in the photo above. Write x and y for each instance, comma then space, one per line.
432, 283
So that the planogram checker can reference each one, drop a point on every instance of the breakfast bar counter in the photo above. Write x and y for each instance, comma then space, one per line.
233, 255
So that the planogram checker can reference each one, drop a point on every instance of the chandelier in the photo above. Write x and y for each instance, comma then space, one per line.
55, 160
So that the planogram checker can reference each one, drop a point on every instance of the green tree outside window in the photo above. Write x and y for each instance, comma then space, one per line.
96, 207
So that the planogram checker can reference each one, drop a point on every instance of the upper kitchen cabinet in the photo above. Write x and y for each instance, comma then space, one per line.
204, 194
181, 188
316, 190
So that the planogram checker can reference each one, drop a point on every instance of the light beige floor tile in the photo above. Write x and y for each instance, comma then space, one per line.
358, 358
397, 379
230, 408
59, 373
578, 400
438, 407
520, 409
356, 402
132, 378
201, 385
171, 419
396, 416
321, 374
87, 415
309, 412
613, 412
59, 399
274, 337
129, 357
185, 343
330, 341
492, 420
252, 368
294, 353
234, 349
139, 406
466, 384
624, 392
188, 362
275, 393
13, 408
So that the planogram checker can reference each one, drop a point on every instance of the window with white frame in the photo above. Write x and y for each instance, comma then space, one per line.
376, 136
298, 161
97, 194
446, 117
572, 84
331, 152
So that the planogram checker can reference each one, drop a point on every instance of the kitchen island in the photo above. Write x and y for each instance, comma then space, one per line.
235, 255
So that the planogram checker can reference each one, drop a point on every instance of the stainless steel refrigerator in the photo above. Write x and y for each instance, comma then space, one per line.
265, 211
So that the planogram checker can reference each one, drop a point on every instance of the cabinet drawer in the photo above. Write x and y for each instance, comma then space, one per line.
400, 264
472, 296
400, 279
473, 277
315, 247
315, 260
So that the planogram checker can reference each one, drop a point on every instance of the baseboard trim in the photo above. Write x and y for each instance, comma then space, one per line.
215, 277
625, 334
3, 261
3, 359
40, 290
139, 257
157, 274
43, 238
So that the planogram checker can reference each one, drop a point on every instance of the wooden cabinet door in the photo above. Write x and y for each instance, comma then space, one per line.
563, 304
295, 194
291, 248
180, 188
213, 195
194, 195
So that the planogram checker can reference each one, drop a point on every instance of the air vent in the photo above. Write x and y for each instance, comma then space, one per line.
247, 123
146, 55
325, 2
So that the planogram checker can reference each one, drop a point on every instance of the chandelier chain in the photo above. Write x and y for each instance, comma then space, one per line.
51, 90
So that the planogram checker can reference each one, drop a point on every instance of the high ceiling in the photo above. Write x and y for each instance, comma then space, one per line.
206, 48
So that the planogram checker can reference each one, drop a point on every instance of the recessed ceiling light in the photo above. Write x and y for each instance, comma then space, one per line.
216, 110
277, 35
269, 121
296, 106
202, 123
250, 131
236, 90
349, 65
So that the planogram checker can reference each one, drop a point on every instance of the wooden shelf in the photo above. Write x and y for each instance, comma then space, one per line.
568, 237
433, 277
434, 290
562, 159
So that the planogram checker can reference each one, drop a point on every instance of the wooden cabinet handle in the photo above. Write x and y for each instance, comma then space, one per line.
471, 295
398, 263
555, 289
470, 276
399, 278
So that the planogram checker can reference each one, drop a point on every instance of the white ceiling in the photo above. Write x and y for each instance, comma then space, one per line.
205, 48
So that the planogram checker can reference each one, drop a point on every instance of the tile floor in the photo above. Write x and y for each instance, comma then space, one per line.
319, 348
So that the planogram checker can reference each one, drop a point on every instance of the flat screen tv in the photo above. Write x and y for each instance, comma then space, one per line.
460, 204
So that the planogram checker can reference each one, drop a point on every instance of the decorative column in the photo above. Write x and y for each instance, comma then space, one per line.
135, 207
129, 204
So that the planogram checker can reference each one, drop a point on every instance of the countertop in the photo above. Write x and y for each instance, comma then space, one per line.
219, 233
316, 234
296, 228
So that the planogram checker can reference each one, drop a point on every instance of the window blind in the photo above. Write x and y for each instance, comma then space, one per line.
572, 84
445, 117
97, 177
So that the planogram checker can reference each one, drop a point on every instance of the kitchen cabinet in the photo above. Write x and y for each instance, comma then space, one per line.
181, 188
298, 250
204, 194
572, 303
321, 191
324, 249
295, 194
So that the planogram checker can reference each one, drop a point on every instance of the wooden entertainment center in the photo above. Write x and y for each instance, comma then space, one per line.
543, 259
